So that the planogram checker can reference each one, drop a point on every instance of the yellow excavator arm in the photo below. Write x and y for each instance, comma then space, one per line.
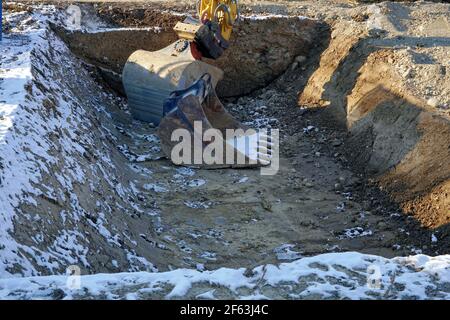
212, 31
224, 12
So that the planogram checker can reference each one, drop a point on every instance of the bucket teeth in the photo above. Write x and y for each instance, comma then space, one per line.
197, 131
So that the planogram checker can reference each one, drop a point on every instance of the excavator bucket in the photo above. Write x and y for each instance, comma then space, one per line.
209, 136
174, 89
149, 77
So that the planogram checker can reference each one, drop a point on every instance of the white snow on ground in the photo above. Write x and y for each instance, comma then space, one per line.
285, 252
260, 17
103, 30
355, 232
42, 127
16, 132
336, 276
24, 143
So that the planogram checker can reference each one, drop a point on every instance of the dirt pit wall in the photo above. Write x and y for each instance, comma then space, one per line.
260, 49
397, 132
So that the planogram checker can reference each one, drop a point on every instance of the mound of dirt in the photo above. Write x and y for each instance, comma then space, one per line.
370, 80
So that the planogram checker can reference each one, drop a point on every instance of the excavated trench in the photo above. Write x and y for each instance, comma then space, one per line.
322, 200
262, 50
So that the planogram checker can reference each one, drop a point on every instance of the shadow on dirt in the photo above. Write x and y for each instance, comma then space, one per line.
392, 137
337, 91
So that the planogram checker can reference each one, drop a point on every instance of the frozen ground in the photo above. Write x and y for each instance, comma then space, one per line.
329, 276
68, 151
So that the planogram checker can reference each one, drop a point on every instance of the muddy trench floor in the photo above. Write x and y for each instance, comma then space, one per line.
233, 218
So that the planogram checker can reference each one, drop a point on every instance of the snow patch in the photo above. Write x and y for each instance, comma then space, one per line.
327, 276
